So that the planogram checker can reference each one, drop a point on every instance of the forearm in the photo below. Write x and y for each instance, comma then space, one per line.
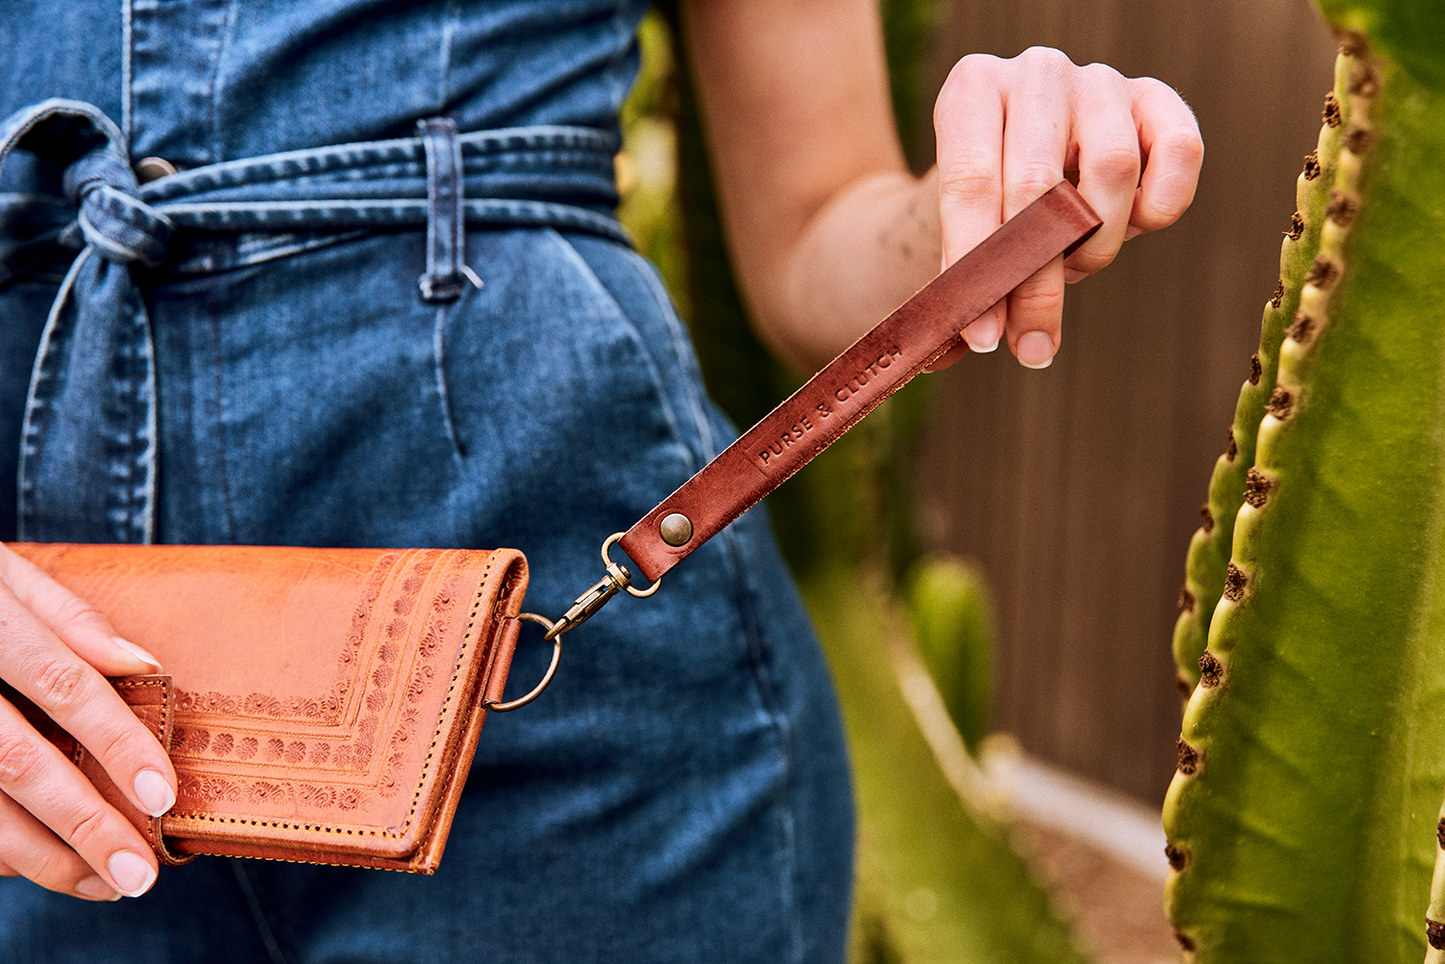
866, 252
827, 230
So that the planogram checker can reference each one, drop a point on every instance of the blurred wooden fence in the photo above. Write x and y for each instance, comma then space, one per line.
1078, 487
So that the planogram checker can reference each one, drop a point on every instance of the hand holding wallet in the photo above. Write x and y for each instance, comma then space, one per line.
320, 705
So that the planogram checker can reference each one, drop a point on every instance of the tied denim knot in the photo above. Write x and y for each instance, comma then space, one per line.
90, 418
89, 449
112, 218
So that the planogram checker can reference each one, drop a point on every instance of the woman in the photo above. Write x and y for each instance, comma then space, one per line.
681, 793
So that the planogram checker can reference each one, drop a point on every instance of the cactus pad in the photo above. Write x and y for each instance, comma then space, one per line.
1302, 819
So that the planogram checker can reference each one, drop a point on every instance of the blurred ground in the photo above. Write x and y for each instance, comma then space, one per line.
1117, 911
1101, 853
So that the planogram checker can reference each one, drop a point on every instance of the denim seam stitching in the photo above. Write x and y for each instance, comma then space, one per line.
201, 181
141, 429
686, 361
782, 732
222, 464
674, 424
546, 146
126, 70
37, 408
443, 313
213, 107
243, 215
451, 16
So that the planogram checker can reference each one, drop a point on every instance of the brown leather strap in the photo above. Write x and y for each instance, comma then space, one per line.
857, 381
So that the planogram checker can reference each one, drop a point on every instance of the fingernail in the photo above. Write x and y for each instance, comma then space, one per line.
153, 792
131, 873
984, 334
1035, 350
96, 889
137, 652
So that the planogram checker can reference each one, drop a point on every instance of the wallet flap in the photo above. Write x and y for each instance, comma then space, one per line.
326, 702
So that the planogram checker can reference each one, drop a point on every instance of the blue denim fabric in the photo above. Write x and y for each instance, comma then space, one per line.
242, 353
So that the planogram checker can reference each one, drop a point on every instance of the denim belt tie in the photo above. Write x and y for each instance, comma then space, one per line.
90, 417
111, 217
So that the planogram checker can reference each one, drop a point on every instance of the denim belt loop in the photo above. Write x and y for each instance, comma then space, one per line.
446, 212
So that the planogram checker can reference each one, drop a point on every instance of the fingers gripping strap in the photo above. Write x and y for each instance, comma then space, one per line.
857, 381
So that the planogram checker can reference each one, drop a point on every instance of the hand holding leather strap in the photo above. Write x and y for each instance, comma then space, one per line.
859, 380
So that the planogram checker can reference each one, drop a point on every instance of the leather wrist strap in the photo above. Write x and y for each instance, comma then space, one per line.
857, 381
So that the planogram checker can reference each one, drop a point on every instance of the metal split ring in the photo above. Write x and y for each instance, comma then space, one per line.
522, 701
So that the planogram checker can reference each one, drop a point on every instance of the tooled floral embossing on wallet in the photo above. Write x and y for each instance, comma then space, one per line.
325, 702
329, 734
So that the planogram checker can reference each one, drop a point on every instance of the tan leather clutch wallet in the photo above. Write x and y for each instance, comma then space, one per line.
321, 705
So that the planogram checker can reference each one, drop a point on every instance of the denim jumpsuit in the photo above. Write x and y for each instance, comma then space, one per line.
285, 342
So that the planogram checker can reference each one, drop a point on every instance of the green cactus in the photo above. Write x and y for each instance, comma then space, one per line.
1408, 31
1435, 913
1209, 549
951, 609
938, 880
1302, 820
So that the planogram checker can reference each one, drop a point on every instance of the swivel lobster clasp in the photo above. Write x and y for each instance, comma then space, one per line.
587, 604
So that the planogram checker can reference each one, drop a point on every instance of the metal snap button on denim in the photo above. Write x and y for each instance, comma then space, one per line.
153, 168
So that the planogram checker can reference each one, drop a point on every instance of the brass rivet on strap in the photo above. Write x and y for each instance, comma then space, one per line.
676, 529
153, 169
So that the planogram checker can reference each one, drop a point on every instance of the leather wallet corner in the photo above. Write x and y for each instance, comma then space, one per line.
152, 700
